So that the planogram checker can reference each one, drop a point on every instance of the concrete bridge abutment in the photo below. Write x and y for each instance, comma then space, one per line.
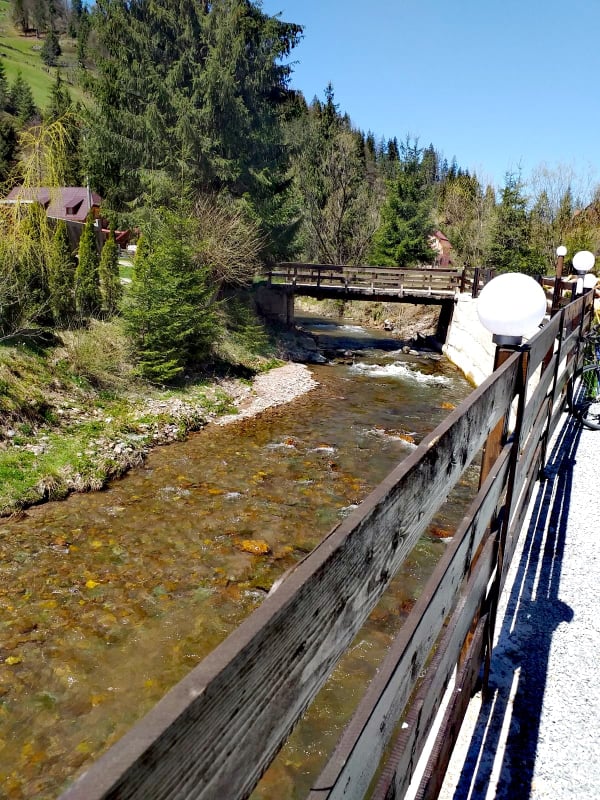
275, 302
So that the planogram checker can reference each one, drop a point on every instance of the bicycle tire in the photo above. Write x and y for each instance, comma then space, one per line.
585, 403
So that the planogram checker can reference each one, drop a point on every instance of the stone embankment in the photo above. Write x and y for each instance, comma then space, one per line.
469, 344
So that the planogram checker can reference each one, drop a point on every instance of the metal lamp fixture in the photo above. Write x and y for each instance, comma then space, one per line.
583, 261
511, 306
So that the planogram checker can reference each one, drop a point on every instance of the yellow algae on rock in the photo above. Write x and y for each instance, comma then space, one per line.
257, 547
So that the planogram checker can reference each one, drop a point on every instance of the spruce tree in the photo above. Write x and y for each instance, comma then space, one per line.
87, 282
51, 49
21, 102
208, 106
110, 283
20, 14
8, 147
61, 276
402, 239
511, 246
169, 315
4, 92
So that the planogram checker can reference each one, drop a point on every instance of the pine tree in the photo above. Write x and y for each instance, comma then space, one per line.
110, 283
4, 92
20, 14
60, 100
393, 153
168, 311
511, 248
208, 107
402, 239
39, 14
8, 147
21, 102
87, 282
61, 276
51, 49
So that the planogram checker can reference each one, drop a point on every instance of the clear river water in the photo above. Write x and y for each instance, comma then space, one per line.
108, 599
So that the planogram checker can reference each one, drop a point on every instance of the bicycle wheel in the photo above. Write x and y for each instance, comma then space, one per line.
586, 404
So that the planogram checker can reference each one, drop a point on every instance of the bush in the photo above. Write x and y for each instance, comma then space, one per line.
100, 354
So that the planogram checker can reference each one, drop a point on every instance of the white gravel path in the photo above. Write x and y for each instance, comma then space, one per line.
538, 736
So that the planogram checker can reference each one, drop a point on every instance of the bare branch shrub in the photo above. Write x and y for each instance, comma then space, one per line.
229, 244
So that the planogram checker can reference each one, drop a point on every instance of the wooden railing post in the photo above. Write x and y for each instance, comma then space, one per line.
475, 289
557, 293
502, 354
495, 440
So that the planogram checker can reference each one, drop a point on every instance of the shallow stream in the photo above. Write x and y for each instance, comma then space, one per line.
108, 599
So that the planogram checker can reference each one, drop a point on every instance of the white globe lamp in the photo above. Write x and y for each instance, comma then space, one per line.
583, 261
511, 306
589, 280
561, 250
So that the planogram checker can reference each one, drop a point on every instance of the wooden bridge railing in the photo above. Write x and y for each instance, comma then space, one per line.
425, 281
214, 734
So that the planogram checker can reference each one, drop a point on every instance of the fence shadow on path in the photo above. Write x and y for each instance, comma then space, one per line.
503, 747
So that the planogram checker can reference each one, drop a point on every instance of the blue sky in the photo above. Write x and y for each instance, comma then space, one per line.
497, 83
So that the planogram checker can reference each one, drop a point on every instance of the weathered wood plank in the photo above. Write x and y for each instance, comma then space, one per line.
542, 342
540, 395
466, 681
520, 511
216, 731
531, 442
411, 740
573, 312
352, 766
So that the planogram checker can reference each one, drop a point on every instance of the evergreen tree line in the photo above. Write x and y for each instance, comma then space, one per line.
195, 138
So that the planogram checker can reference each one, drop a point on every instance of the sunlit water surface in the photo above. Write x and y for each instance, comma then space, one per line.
108, 599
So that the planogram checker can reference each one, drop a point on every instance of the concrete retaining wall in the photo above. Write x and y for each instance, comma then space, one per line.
469, 344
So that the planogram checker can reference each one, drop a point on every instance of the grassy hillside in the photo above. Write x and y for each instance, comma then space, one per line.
19, 52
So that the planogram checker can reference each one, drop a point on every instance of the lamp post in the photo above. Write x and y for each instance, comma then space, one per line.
583, 262
511, 307
561, 252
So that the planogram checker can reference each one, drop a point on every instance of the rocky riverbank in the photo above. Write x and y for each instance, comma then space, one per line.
84, 444
273, 388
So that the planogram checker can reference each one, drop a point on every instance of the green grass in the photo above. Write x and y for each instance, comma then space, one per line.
22, 53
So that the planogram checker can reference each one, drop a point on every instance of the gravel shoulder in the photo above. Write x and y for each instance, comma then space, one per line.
538, 735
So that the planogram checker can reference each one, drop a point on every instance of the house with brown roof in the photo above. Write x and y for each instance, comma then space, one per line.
71, 203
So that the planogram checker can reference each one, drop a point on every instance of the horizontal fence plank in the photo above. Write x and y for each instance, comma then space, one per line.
539, 396
466, 682
352, 766
411, 740
543, 341
216, 731
531, 446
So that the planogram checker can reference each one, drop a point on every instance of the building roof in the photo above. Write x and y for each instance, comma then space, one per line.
71, 203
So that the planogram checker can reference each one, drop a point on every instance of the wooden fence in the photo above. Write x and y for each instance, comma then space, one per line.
419, 281
213, 735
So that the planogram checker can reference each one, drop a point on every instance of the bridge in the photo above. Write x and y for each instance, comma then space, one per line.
385, 284
214, 734
419, 285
